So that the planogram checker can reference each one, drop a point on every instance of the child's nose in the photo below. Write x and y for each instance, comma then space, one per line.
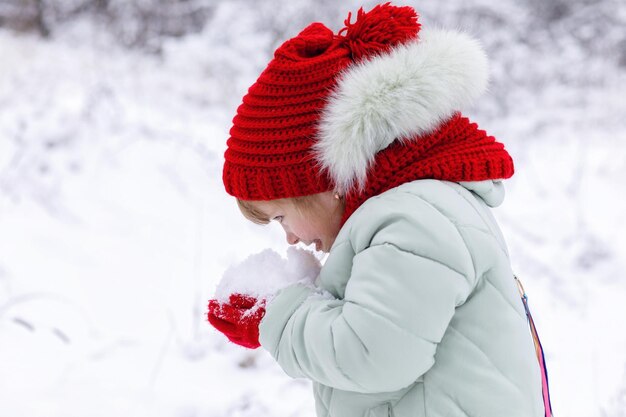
292, 239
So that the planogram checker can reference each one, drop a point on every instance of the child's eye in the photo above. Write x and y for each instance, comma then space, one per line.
279, 219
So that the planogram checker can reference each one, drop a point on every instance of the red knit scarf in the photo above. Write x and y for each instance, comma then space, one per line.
457, 151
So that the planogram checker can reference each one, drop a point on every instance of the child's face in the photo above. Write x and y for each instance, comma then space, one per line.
318, 224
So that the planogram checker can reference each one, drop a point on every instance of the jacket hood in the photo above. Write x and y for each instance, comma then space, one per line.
491, 191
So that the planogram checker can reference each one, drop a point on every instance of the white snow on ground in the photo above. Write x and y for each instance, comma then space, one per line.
115, 231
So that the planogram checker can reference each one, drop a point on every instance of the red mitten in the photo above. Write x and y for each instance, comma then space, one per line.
238, 319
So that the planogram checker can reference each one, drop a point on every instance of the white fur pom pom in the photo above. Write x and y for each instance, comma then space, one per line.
407, 92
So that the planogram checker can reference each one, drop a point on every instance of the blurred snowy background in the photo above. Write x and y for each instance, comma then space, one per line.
115, 229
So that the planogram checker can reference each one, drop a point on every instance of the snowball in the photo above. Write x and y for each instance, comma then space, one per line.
263, 274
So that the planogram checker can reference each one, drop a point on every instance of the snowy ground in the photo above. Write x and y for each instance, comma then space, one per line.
114, 231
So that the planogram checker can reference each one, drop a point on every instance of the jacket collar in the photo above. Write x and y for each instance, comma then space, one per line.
491, 191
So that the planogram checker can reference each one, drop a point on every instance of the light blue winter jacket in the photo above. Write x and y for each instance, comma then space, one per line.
426, 320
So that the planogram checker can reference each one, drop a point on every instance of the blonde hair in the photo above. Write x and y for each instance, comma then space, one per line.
252, 213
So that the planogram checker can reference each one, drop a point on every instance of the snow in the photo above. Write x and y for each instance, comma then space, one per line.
263, 274
115, 229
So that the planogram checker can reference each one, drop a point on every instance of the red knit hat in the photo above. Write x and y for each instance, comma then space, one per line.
326, 107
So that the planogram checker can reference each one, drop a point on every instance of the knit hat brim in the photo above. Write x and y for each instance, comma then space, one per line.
402, 94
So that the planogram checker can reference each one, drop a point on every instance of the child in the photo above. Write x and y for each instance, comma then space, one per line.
354, 142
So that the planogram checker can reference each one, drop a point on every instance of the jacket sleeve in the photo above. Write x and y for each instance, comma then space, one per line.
409, 273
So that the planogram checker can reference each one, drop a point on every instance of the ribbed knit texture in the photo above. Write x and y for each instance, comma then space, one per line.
269, 153
270, 149
457, 151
